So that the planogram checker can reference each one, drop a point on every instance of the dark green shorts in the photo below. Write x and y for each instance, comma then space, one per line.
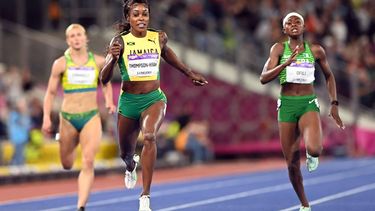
79, 120
132, 105
291, 108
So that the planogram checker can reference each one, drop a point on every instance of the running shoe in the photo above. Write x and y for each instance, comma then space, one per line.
131, 177
311, 162
305, 208
144, 203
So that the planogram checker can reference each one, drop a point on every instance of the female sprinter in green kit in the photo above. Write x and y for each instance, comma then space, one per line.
298, 108
78, 71
142, 105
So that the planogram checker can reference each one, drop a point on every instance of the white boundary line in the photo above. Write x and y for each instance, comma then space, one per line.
220, 184
339, 167
349, 192
313, 181
198, 187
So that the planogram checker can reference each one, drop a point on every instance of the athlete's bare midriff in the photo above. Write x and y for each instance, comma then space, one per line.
140, 87
292, 89
79, 102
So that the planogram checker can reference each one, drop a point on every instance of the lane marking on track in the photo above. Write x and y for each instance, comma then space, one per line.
222, 184
343, 165
269, 189
192, 188
349, 192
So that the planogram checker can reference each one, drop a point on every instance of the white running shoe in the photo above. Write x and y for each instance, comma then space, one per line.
131, 177
144, 203
305, 208
311, 162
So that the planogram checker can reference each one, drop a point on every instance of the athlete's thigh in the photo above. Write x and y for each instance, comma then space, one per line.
128, 128
152, 117
68, 140
289, 138
90, 136
310, 127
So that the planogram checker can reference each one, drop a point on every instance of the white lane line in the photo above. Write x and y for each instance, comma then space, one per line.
336, 196
217, 185
98, 203
337, 167
229, 197
200, 187
313, 181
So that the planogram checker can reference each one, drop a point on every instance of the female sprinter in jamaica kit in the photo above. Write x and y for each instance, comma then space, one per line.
298, 108
78, 71
142, 104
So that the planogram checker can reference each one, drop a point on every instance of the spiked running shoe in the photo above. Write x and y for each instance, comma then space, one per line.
131, 177
311, 162
144, 203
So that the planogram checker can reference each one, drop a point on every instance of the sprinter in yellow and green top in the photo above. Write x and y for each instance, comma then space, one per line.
137, 51
80, 78
77, 71
141, 58
293, 62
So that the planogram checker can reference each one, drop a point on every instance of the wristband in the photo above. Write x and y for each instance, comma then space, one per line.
335, 102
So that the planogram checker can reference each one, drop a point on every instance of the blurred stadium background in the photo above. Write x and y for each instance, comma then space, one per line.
227, 40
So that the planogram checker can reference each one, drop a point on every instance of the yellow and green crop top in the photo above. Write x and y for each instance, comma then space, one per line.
141, 58
80, 78
302, 70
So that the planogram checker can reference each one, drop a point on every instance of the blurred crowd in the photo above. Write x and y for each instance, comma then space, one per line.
185, 139
242, 31
20, 113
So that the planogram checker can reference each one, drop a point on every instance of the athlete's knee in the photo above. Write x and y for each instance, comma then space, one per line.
293, 158
293, 166
149, 140
149, 137
88, 162
293, 169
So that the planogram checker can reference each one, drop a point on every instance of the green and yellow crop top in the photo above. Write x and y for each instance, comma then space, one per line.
141, 58
302, 70
80, 78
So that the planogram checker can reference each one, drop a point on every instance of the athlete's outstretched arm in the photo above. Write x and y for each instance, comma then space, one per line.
171, 58
53, 83
321, 59
115, 50
271, 70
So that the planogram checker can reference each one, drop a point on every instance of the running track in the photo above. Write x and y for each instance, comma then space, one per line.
338, 184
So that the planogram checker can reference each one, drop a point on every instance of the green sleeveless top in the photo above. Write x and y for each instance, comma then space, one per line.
80, 78
302, 70
141, 58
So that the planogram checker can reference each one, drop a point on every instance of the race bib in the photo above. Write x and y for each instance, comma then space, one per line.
300, 73
145, 65
81, 75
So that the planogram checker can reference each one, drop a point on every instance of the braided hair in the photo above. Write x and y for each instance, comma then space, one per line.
124, 25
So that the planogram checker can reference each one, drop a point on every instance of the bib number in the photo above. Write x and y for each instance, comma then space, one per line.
143, 66
300, 75
82, 76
